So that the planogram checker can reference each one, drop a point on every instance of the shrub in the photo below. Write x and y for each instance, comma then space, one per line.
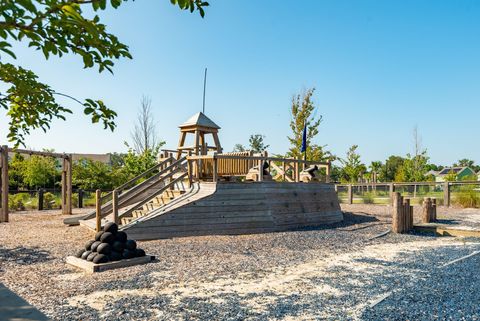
17, 202
368, 198
49, 201
468, 196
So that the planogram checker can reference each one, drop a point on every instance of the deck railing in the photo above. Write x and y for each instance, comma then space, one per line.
215, 166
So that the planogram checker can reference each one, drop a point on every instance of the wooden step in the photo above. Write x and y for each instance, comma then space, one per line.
161, 200
151, 206
173, 193
126, 220
139, 213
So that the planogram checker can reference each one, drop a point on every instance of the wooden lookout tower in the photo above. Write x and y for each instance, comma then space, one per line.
199, 125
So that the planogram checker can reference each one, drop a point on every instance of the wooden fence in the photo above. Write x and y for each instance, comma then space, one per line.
442, 191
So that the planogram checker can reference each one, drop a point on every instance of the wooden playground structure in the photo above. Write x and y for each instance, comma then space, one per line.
66, 182
198, 190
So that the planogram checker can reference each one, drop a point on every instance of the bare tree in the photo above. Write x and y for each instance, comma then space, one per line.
144, 136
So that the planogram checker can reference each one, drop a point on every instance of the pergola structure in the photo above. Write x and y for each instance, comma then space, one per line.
66, 178
199, 125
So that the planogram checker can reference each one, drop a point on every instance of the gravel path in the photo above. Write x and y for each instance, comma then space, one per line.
330, 273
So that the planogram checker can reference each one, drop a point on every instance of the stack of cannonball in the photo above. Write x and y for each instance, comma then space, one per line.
110, 245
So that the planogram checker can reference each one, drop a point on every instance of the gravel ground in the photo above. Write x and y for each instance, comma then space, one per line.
334, 273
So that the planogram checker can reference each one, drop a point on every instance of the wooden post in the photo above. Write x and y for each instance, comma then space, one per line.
328, 172
350, 194
80, 198
40, 199
67, 184
189, 169
284, 176
406, 216
397, 204
392, 190
396, 212
260, 170
446, 194
64, 186
215, 168
434, 210
426, 210
4, 185
98, 209
115, 206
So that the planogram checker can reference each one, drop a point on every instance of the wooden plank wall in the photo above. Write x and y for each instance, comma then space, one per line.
246, 208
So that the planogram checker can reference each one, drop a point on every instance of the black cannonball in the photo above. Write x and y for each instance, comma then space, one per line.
115, 256
91, 256
104, 248
79, 253
139, 252
85, 254
88, 245
121, 236
118, 246
100, 258
131, 245
110, 227
98, 235
107, 237
128, 254
95, 245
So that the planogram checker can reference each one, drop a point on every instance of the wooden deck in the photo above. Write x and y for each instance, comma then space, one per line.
242, 208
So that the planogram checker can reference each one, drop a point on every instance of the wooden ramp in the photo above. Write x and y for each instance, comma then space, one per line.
241, 208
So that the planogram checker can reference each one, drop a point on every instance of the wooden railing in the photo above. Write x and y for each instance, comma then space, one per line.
441, 190
205, 167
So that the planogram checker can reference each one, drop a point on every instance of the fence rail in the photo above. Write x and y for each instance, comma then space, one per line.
465, 193
37, 198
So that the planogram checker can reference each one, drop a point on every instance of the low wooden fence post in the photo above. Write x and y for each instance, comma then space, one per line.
4, 186
215, 168
40, 199
446, 194
98, 209
350, 194
392, 190
80, 198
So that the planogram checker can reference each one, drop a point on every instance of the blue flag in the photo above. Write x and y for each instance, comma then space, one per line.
304, 139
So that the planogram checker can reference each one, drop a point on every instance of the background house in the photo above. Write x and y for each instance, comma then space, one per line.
461, 173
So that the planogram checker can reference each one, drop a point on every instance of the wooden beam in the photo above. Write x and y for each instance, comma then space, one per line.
217, 142
34, 152
69, 162
4, 183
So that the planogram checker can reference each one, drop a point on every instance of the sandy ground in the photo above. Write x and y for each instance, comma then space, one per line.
340, 272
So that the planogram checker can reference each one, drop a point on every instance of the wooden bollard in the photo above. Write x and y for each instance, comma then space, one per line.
98, 209
397, 199
434, 209
426, 210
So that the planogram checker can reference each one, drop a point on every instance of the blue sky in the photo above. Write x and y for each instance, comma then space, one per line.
379, 67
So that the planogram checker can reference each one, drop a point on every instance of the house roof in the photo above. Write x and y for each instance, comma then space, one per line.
456, 170
199, 119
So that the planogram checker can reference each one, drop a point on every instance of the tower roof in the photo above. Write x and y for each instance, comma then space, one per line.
200, 120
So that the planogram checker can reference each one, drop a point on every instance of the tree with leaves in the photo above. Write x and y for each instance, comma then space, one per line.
302, 114
257, 145
144, 135
57, 28
353, 168
238, 148
40, 171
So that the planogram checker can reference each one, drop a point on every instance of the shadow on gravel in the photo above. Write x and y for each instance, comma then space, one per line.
24, 255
